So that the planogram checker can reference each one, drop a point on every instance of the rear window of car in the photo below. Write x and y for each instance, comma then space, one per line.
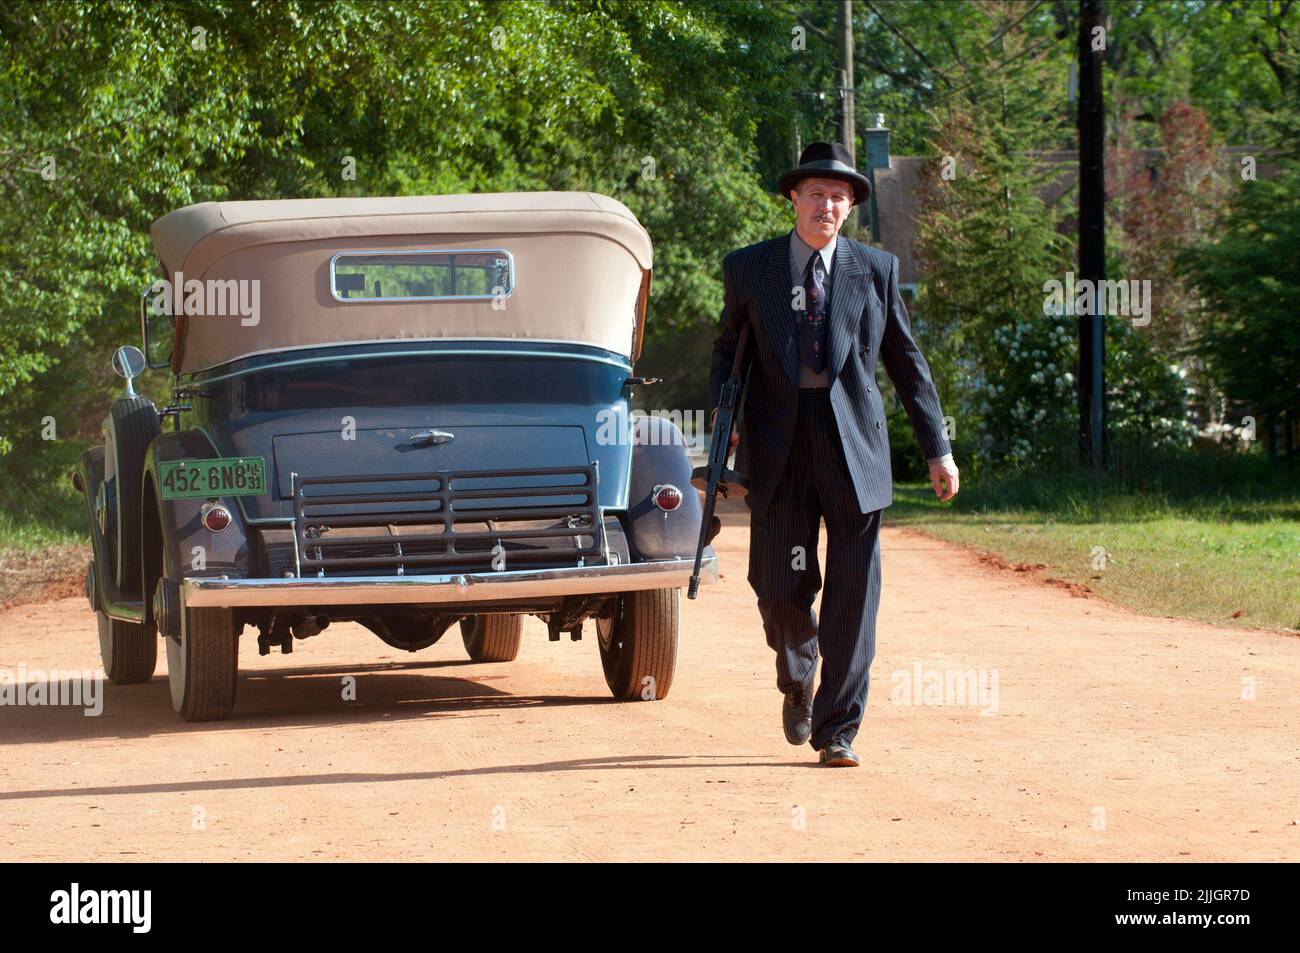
456, 274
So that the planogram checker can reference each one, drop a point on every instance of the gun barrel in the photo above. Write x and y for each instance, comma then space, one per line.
720, 448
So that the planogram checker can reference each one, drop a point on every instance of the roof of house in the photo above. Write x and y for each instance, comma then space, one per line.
898, 199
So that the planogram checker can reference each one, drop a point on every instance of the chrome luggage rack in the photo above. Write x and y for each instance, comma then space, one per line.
448, 521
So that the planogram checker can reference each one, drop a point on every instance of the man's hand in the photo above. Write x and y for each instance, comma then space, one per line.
943, 477
735, 437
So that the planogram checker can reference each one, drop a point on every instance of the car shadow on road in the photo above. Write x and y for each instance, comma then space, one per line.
315, 697
710, 762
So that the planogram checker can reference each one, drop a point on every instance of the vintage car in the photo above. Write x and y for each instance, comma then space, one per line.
410, 413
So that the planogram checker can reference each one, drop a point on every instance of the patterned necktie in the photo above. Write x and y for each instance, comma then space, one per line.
812, 329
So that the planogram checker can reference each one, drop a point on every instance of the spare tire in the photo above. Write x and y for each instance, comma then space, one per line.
133, 423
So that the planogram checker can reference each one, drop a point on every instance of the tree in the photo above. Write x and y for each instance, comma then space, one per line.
987, 239
1249, 277
136, 109
1248, 271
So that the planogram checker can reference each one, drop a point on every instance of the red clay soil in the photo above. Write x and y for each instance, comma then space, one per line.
1111, 736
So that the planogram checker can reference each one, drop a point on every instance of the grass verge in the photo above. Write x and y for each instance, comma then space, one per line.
1205, 538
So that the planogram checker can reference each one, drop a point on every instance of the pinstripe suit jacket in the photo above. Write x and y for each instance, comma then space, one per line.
867, 319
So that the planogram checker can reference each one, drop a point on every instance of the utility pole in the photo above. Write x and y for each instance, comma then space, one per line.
1093, 444
848, 122
848, 127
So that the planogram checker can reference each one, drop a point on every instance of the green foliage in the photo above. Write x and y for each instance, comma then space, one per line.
686, 112
1025, 412
145, 107
1145, 394
1213, 55
1248, 272
1250, 278
919, 60
988, 242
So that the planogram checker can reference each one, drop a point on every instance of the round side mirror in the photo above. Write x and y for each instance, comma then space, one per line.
128, 361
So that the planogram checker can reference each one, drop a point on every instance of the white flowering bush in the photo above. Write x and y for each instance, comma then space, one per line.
1147, 397
1025, 402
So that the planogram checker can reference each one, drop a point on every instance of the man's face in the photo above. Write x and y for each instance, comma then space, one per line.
820, 207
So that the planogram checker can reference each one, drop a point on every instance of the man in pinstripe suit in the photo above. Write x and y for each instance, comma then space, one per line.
822, 308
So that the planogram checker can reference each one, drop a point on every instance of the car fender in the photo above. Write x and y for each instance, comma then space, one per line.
660, 455
188, 548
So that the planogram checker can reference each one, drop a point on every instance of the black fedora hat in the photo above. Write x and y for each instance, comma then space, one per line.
827, 160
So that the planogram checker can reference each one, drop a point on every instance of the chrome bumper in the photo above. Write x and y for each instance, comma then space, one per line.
454, 587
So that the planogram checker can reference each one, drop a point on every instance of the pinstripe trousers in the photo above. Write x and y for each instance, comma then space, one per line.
785, 575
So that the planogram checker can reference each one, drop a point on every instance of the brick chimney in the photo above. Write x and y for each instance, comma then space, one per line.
876, 140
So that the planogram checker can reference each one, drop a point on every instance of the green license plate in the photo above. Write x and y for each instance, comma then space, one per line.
228, 476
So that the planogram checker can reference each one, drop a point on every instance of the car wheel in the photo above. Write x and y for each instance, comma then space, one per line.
203, 665
128, 650
492, 638
638, 643
135, 424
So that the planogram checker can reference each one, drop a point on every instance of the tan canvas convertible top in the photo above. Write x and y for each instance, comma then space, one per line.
581, 270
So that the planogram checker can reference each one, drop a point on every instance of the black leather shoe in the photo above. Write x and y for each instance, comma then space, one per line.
796, 711
837, 754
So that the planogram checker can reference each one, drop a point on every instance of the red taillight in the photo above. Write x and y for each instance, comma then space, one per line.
667, 497
214, 517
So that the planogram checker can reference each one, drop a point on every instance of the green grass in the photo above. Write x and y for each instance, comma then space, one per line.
43, 540
39, 509
33, 518
1205, 538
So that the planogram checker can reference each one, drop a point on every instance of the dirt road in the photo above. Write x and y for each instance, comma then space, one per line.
1106, 735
